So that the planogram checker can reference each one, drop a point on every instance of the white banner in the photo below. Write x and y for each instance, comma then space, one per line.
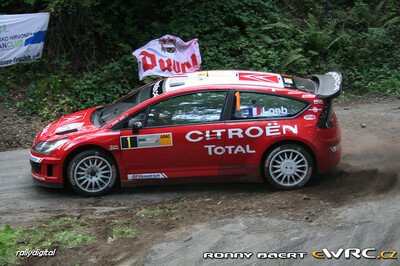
22, 37
167, 56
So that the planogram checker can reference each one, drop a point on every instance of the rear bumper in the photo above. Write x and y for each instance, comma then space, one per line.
46, 170
329, 151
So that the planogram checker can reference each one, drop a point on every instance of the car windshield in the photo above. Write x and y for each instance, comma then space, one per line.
108, 113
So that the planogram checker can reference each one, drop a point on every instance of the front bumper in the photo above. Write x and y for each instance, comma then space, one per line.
46, 170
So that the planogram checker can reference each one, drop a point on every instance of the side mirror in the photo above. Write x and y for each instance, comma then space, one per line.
136, 126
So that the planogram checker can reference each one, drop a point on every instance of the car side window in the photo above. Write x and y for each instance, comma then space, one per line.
194, 108
261, 105
138, 117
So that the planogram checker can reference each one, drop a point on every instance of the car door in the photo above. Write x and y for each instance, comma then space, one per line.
256, 121
173, 141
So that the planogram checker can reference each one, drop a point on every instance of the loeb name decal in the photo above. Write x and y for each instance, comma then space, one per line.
146, 141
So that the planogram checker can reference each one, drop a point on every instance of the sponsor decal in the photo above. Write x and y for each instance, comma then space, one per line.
219, 150
202, 74
157, 90
288, 80
146, 141
294, 92
318, 101
114, 147
272, 129
308, 96
315, 109
309, 117
270, 78
338, 80
147, 176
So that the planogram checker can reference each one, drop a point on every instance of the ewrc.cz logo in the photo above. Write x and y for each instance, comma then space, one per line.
348, 253
258, 255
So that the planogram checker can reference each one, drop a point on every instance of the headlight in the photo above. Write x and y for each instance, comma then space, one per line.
45, 147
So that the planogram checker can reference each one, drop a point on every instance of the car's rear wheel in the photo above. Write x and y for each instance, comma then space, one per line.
288, 166
92, 173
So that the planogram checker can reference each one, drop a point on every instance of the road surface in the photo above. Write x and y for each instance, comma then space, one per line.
356, 206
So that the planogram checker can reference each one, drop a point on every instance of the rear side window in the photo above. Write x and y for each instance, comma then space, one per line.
260, 105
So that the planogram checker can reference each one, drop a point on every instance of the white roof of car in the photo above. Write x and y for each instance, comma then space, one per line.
223, 77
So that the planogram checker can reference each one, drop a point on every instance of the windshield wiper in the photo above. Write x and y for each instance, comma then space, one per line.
100, 114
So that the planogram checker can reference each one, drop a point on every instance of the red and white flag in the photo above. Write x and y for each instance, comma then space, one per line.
167, 56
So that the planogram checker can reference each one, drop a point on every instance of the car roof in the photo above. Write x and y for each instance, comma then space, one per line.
223, 77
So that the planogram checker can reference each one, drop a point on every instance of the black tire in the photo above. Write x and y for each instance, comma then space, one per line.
102, 174
288, 167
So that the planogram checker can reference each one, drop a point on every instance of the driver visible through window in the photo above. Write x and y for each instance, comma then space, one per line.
194, 108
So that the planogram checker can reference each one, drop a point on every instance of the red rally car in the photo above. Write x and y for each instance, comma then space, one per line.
209, 126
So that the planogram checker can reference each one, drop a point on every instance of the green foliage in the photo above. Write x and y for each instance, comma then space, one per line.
88, 61
8, 244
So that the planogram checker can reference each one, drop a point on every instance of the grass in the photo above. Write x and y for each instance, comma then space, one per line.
8, 244
149, 213
121, 231
152, 212
69, 239
68, 232
64, 221
64, 232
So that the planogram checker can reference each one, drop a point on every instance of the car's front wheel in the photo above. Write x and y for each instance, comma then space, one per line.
288, 166
92, 173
